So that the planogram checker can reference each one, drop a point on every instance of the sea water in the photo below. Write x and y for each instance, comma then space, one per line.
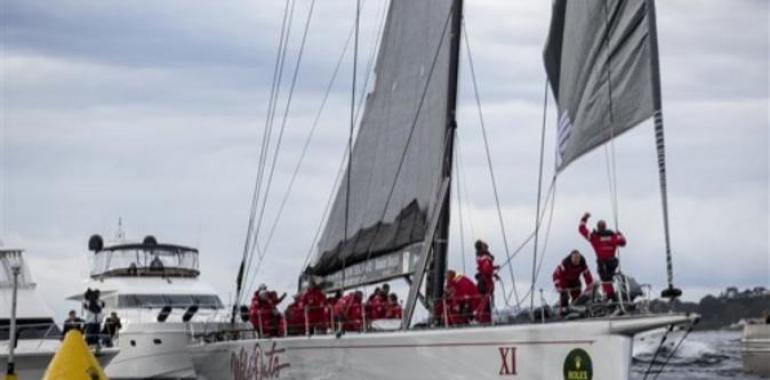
712, 355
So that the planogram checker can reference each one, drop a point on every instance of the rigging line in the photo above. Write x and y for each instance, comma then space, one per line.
329, 201
306, 146
546, 239
254, 197
268, 132
465, 188
657, 351
539, 194
526, 241
411, 131
459, 201
289, 98
489, 158
613, 179
350, 136
285, 117
673, 352
548, 206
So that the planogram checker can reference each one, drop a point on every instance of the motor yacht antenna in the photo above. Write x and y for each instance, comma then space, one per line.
120, 235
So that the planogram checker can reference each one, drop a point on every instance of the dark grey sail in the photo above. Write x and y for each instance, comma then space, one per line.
598, 61
397, 161
601, 59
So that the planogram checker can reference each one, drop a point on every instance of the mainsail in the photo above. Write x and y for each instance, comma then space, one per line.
598, 61
398, 158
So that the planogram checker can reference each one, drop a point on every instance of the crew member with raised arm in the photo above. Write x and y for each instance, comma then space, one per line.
566, 278
605, 243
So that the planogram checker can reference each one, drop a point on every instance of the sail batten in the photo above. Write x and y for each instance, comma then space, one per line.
597, 59
397, 158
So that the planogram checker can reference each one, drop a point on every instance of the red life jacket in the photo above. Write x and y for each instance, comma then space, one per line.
566, 273
295, 318
394, 311
376, 307
604, 244
485, 266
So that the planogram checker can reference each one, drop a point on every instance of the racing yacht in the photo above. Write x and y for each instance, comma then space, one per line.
155, 290
390, 217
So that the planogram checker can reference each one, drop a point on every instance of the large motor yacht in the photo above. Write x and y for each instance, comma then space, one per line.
155, 290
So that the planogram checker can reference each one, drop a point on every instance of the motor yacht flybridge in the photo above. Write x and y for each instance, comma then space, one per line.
390, 217
155, 290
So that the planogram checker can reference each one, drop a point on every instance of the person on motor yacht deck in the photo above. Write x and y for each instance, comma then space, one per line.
566, 278
73, 322
605, 243
93, 305
111, 327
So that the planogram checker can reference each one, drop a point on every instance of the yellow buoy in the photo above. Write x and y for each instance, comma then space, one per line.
74, 361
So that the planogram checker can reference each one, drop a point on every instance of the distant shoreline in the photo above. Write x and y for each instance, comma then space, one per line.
728, 310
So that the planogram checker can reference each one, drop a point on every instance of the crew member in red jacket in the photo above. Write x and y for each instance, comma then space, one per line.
348, 312
566, 277
261, 312
485, 280
314, 300
605, 243
295, 317
462, 297
394, 310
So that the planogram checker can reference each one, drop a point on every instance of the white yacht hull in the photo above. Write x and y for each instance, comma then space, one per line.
152, 351
599, 349
756, 349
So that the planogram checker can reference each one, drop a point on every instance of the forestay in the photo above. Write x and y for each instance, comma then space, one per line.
396, 163
598, 61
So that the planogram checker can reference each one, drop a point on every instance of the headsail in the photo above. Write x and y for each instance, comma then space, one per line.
598, 61
602, 63
397, 159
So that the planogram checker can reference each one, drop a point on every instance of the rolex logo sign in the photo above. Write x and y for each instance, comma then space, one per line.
578, 366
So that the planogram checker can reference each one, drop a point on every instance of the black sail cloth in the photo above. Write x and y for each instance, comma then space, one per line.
599, 66
391, 198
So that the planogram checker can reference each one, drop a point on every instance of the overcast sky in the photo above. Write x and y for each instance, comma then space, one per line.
153, 112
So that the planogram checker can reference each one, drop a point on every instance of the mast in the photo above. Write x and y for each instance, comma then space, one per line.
436, 280
660, 146
15, 272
